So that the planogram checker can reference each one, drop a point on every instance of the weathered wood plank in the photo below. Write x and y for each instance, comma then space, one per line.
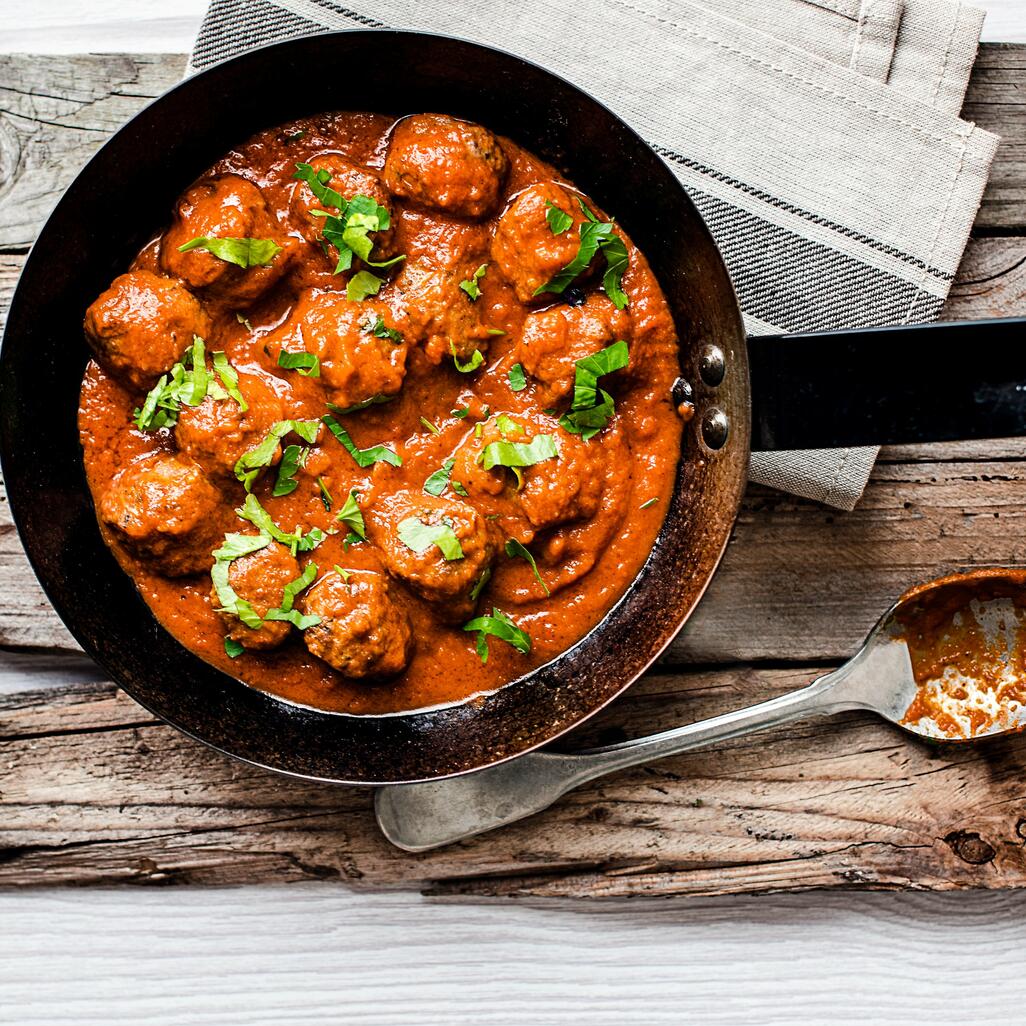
55, 111
94, 793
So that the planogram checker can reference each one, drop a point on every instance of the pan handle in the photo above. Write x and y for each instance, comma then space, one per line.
884, 386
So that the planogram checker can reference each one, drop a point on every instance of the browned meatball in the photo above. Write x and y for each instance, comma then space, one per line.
142, 325
553, 340
228, 207
362, 633
355, 363
524, 247
444, 164
218, 432
163, 510
568, 488
447, 582
349, 180
260, 580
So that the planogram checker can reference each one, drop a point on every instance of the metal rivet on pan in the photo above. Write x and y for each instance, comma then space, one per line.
715, 428
682, 391
712, 365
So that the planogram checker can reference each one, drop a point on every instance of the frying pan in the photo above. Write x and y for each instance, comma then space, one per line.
842, 391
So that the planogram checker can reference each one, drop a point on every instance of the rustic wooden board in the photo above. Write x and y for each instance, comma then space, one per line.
94, 790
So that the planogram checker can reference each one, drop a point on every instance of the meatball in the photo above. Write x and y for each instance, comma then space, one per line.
140, 327
260, 580
218, 431
444, 164
163, 510
228, 207
447, 582
363, 632
349, 180
524, 247
567, 489
553, 340
358, 358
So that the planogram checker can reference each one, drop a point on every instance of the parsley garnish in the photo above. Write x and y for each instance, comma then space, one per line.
558, 219
470, 285
308, 364
250, 463
500, 626
592, 407
517, 378
363, 457
516, 549
470, 365
241, 252
417, 535
437, 482
351, 515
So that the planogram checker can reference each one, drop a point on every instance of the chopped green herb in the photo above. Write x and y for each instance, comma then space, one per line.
235, 546
229, 378
519, 454
286, 610
479, 586
500, 626
252, 511
363, 284
249, 465
507, 426
517, 378
374, 400
292, 459
470, 285
363, 457
615, 253
352, 516
431, 427
470, 365
459, 489
437, 482
233, 649
417, 535
462, 412
558, 219
516, 549
308, 364
592, 407
325, 495
344, 574
376, 326
242, 319
241, 252
650, 502
295, 135
350, 540
495, 331
185, 386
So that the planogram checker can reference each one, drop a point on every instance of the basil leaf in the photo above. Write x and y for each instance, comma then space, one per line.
294, 617
308, 364
471, 365
431, 427
558, 219
479, 586
519, 454
378, 329
500, 626
318, 182
233, 649
363, 457
234, 547
252, 511
292, 589
363, 284
516, 549
292, 459
350, 540
589, 422
470, 285
344, 574
615, 253
438, 481
229, 378
374, 400
325, 495
182, 387
649, 502
592, 234
417, 535
241, 252
352, 516
459, 489
507, 426
495, 331
517, 378
462, 412
592, 407
586, 211
250, 463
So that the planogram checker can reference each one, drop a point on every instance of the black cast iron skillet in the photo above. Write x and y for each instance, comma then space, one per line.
125, 194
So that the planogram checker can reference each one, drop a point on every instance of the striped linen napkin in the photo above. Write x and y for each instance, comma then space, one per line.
831, 166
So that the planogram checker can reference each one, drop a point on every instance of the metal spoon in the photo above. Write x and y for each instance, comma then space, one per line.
879, 678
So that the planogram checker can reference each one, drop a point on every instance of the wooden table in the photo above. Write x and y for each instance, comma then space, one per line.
94, 790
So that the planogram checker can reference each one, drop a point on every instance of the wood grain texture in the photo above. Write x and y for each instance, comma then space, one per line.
94, 790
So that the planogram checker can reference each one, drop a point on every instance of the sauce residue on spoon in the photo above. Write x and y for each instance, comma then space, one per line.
966, 636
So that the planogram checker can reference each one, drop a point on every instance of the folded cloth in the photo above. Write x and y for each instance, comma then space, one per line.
830, 166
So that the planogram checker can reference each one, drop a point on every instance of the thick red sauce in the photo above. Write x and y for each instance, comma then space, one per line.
587, 562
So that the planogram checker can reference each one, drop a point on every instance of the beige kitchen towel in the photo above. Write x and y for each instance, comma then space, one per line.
819, 140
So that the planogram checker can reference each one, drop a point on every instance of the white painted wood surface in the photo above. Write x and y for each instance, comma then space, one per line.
322, 954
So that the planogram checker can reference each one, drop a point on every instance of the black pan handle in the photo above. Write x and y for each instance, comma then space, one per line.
881, 386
